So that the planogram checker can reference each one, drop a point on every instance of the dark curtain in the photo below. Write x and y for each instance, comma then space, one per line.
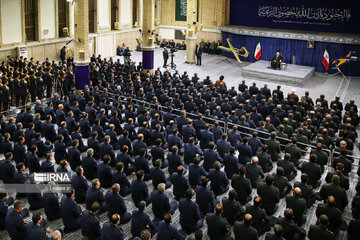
289, 48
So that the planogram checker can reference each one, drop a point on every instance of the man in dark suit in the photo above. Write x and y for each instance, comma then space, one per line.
89, 164
260, 220
74, 155
218, 228
80, 185
242, 186
313, 170
111, 229
334, 214
269, 194
7, 169
160, 203
190, 219
245, 231
344, 181
277, 235
48, 130
19, 150
289, 168
165, 56
139, 189
254, 172
158, 176
77, 135
120, 178
90, 222
205, 198
231, 163
47, 165
307, 191
321, 231
274, 147
231, 208
93, 143
198, 53
51, 206
166, 231
106, 148
104, 172
95, 194
70, 212
35, 229
206, 136
210, 157
14, 223
191, 151
291, 229
85, 126
180, 183
264, 157
294, 151
334, 189
219, 182
60, 149
140, 221
281, 182
298, 205
116, 204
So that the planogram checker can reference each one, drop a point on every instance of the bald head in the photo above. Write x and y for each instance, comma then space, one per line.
247, 218
255, 160
297, 191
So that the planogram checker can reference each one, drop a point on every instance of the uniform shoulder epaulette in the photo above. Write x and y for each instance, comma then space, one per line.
25, 82
6, 87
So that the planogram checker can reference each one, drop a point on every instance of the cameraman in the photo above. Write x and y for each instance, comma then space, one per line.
165, 56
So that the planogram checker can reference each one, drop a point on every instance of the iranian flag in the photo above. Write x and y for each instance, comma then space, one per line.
257, 53
326, 59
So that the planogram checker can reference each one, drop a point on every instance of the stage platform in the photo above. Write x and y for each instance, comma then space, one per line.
296, 75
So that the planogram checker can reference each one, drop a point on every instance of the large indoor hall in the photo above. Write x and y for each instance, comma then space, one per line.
179, 120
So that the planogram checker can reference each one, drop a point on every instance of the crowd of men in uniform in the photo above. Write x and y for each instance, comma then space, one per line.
183, 147
23, 80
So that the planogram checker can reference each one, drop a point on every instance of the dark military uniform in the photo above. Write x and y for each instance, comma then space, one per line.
5, 97
48, 79
39, 87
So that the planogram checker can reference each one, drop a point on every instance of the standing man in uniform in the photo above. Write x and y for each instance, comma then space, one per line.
198, 53
48, 79
165, 56
5, 97
63, 54
39, 86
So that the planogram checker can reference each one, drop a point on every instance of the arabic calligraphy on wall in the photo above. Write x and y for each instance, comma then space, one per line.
321, 14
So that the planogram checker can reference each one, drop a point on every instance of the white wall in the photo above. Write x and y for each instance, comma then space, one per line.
47, 14
11, 21
103, 17
167, 33
125, 13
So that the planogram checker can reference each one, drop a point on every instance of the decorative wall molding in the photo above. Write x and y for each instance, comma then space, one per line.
289, 35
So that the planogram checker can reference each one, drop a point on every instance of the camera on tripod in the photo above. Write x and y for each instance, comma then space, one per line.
173, 50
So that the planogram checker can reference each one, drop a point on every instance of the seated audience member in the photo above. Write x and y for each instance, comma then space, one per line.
140, 221
111, 230
190, 219
245, 229
90, 222
231, 208
120, 178
260, 220
242, 186
321, 231
218, 227
269, 194
139, 189
70, 212
161, 204
116, 204
254, 172
166, 231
